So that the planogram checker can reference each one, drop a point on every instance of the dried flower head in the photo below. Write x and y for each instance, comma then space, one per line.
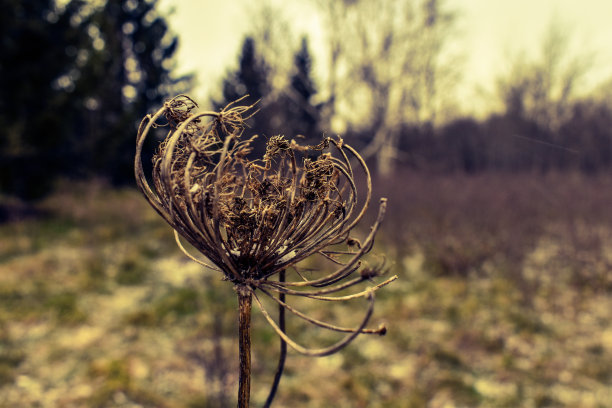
254, 220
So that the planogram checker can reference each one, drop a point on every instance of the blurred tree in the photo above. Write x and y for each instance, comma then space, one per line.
129, 72
589, 132
38, 66
288, 110
543, 90
388, 62
301, 116
287, 87
74, 82
250, 78
272, 31
462, 143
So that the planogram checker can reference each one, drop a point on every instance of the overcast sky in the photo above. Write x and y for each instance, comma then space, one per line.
211, 32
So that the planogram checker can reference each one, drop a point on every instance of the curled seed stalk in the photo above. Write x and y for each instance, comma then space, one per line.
254, 220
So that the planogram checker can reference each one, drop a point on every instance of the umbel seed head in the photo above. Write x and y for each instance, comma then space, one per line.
253, 218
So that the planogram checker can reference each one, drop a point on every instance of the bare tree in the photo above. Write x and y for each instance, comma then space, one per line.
543, 90
387, 66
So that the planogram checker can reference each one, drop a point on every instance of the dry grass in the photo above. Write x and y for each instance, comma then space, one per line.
503, 300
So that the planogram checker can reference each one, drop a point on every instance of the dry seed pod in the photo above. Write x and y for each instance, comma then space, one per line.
255, 220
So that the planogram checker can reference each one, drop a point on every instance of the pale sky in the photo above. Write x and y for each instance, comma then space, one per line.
211, 33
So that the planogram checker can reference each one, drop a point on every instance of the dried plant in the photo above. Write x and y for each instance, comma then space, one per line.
256, 220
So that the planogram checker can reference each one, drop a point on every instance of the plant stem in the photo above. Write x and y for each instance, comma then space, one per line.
283, 347
244, 344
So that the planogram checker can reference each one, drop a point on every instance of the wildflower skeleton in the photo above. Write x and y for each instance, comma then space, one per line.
256, 220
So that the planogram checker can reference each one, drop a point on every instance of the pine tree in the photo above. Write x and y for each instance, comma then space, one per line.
288, 111
38, 65
301, 116
251, 78
74, 82
128, 74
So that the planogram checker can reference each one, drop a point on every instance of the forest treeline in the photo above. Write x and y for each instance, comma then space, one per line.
76, 80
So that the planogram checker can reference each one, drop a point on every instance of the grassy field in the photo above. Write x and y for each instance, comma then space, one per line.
504, 300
